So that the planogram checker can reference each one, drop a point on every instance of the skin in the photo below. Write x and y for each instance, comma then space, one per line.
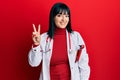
61, 21
36, 35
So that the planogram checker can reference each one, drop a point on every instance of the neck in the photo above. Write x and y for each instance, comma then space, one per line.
60, 30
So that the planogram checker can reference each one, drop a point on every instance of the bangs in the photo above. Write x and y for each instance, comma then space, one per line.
61, 10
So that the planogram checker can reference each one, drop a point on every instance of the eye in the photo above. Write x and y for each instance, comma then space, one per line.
66, 15
58, 15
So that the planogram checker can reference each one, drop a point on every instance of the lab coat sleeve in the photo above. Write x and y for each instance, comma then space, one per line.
35, 56
83, 61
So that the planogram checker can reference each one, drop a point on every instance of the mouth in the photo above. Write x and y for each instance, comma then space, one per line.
62, 23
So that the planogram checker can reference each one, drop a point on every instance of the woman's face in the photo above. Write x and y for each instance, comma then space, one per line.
61, 20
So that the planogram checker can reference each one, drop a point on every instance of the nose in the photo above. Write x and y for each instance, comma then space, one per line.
63, 17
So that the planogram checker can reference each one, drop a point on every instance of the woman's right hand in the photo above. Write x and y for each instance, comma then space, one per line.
36, 35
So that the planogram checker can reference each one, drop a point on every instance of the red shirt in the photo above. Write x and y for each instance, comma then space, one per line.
59, 64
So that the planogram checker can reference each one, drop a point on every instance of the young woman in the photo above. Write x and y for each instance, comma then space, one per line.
61, 50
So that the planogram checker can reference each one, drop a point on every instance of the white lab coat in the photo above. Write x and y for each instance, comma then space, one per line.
80, 70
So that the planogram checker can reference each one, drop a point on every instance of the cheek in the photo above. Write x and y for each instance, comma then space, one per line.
67, 19
56, 20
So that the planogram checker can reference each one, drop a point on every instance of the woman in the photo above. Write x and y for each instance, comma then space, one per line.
61, 50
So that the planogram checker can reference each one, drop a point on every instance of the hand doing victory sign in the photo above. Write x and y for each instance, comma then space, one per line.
36, 35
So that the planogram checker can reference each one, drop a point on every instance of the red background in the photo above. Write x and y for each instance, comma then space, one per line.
98, 21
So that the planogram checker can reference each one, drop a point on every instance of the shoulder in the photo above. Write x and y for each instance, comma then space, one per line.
44, 34
75, 33
77, 37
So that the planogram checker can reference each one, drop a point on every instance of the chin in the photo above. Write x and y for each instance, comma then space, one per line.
62, 27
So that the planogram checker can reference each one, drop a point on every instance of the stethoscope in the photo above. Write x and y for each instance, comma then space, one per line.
47, 47
48, 40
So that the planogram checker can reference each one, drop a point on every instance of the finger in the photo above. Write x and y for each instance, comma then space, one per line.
39, 28
34, 33
34, 28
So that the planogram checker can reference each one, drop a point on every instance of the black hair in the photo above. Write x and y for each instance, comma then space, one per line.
56, 9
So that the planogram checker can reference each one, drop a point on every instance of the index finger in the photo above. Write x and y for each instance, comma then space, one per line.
39, 28
34, 28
